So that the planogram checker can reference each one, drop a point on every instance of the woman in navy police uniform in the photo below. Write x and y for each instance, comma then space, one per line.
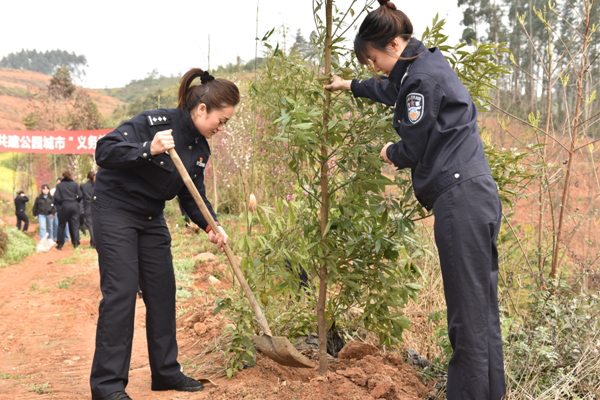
437, 122
135, 178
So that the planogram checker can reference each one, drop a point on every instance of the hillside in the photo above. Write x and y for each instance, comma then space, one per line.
15, 86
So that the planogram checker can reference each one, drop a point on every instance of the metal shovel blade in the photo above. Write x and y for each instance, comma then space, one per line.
277, 348
280, 350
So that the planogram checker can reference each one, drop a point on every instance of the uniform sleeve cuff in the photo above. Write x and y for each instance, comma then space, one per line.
353, 87
208, 228
145, 151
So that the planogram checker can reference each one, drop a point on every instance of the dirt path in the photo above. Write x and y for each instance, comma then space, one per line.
48, 311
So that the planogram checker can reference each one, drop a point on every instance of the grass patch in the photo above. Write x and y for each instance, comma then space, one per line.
64, 284
14, 92
43, 388
4, 375
19, 246
67, 260
185, 245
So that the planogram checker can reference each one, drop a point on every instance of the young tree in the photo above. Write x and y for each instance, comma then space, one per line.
347, 224
563, 129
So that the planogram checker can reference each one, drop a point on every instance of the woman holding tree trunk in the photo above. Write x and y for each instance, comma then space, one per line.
437, 123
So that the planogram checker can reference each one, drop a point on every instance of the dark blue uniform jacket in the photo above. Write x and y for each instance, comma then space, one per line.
435, 118
67, 191
87, 190
132, 180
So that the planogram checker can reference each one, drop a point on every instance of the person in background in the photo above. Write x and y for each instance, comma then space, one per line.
55, 219
135, 179
436, 121
83, 227
87, 189
20, 207
67, 196
44, 210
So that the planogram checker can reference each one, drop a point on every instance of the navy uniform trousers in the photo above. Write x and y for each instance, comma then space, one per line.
130, 251
69, 214
467, 221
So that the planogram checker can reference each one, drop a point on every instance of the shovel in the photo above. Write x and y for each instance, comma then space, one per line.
277, 348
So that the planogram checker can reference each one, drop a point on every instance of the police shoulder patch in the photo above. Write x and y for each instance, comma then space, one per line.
158, 119
415, 102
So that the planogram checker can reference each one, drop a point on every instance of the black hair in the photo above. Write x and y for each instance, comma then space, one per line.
215, 93
380, 28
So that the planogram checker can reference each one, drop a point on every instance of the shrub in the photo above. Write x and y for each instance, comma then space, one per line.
3, 242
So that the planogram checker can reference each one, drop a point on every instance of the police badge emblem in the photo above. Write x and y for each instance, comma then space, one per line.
414, 106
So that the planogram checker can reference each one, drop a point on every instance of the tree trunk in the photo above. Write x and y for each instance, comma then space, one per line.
579, 92
324, 199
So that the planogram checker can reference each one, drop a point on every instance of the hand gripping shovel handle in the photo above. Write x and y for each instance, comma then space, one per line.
262, 321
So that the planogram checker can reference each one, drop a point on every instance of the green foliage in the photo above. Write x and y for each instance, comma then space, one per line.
7, 172
240, 66
14, 92
145, 98
439, 365
509, 169
240, 351
137, 89
61, 86
20, 245
46, 62
183, 268
62, 106
3, 242
42, 388
478, 69
64, 284
84, 114
367, 265
553, 346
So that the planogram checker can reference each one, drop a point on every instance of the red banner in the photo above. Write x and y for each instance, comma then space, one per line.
50, 142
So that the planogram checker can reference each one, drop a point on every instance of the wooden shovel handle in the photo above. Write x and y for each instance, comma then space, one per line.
260, 316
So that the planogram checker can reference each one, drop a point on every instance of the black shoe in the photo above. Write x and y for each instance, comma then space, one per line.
186, 385
117, 396
59, 247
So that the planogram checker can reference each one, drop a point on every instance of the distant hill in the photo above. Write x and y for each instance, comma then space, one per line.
138, 89
15, 85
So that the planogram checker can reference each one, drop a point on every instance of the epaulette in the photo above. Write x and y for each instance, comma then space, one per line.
158, 119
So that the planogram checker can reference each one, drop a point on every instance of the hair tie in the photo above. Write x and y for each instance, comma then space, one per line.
205, 77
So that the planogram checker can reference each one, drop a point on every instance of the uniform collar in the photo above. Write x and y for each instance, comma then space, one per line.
413, 48
190, 132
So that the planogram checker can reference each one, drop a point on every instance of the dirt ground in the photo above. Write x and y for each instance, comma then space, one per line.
48, 307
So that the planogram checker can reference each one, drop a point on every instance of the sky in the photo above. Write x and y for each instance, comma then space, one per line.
124, 40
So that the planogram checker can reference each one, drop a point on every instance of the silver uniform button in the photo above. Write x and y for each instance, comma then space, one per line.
457, 175
162, 163
145, 155
195, 175
125, 133
94, 197
190, 147
149, 218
